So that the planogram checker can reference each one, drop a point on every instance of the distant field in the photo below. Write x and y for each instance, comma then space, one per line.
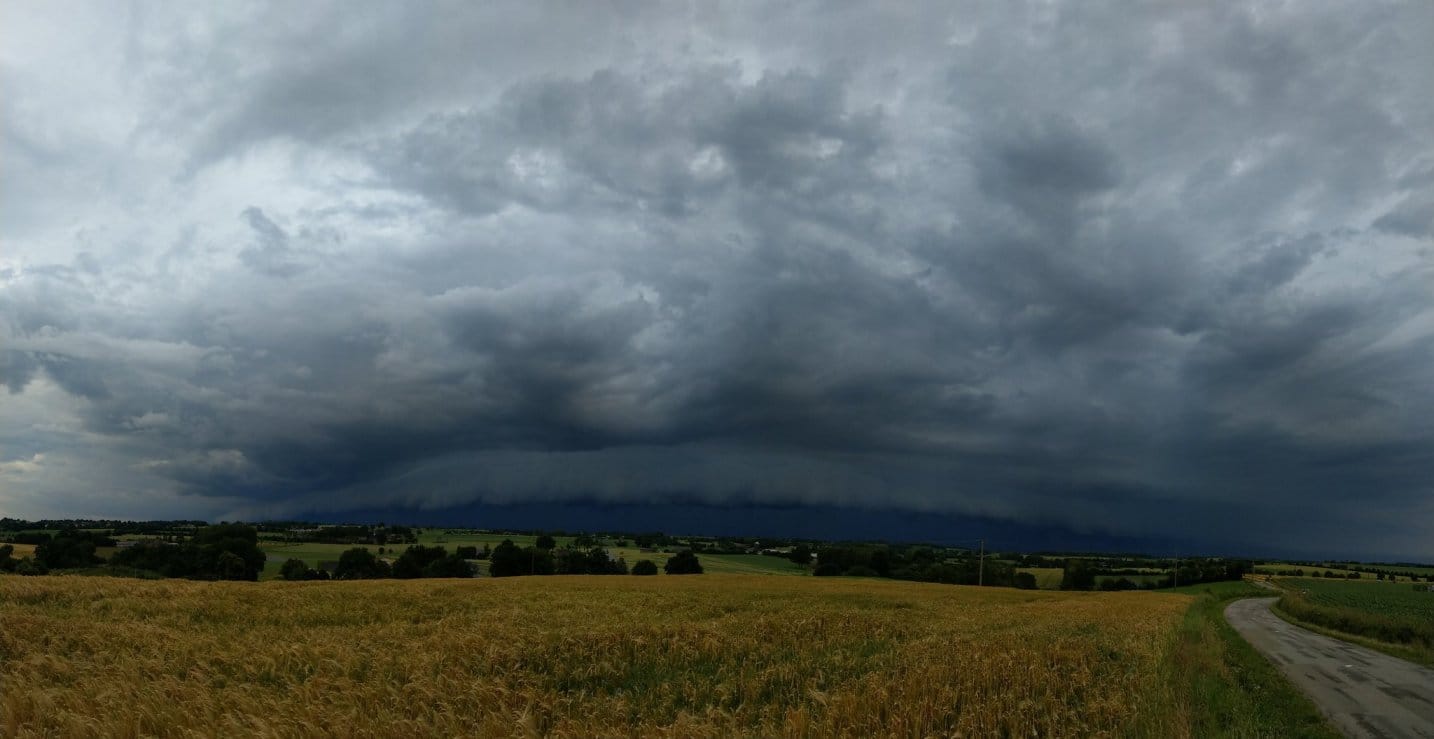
311, 553
707, 655
1047, 578
1399, 570
1275, 569
21, 550
1391, 613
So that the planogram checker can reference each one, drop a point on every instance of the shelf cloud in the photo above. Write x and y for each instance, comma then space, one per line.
1150, 271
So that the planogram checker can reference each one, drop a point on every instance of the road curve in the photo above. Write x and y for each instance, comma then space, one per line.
1363, 692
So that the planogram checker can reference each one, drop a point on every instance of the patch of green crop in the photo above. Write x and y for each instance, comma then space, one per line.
1397, 618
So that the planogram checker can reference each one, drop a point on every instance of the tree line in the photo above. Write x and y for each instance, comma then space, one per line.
1091, 574
218, 552
505, 560
921, 564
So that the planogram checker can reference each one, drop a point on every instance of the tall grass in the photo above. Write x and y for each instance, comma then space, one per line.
572, 656
1214, 684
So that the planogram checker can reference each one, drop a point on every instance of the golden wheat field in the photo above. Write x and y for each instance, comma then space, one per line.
695, 656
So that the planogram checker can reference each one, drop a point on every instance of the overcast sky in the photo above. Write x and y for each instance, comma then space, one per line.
1159, 269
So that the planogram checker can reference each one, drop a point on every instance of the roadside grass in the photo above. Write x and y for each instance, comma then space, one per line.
1220, 686
1393, 618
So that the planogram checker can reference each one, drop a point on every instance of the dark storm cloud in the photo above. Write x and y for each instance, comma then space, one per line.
1175, 283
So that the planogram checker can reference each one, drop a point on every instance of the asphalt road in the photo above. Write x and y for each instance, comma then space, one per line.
1363, 692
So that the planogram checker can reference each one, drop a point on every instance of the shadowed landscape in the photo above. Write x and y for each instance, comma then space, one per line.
995, 368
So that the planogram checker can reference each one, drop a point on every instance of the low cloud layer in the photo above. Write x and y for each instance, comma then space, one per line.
1160, 271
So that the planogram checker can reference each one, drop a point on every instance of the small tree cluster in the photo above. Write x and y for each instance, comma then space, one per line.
218, 552
592, 561
70, 549
21, 566
509, 560
420, 561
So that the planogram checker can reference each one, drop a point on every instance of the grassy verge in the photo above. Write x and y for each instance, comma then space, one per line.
1219, 686
1393, 619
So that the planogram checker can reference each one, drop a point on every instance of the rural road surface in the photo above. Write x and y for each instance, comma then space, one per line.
1363, 692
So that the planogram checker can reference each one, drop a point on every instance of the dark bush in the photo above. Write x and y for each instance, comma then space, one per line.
27, 566
644, 567
294, 569
450, 565
683, 563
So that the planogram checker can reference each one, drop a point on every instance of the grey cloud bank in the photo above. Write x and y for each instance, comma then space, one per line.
1153, 272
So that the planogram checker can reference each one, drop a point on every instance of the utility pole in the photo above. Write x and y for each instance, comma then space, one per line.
981, 569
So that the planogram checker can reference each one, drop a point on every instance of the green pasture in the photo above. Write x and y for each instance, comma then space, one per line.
1276, 568
1398, 600
1393, 617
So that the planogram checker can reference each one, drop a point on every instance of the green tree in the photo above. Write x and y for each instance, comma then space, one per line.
546, 542
211, 543
360, 564
231, 566
507, 560
452, 565
415, 560
880, 562
644, 567
801, 554
1079, 575
67, 549
683, 563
